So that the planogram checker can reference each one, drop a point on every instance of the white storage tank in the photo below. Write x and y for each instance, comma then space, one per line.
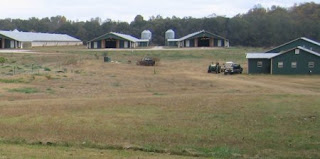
146, 34
170, 34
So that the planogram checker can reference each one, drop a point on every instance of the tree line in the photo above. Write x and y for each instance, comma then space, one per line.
259, 27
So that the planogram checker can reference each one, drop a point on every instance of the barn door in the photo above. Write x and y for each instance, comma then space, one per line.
219, 43
95, 45
188, 43
11, 44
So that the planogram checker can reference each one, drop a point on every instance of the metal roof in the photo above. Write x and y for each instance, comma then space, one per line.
272, 55
307, 50
34, 37
301, 48
196, 33
302, 38
311, 41
191, 35
143, 40
174, 40
123, 36
261, 55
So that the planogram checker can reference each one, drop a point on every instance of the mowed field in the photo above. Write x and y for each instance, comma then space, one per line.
67, 103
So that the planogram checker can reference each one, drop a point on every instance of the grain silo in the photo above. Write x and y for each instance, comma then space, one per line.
146, 35
170, 34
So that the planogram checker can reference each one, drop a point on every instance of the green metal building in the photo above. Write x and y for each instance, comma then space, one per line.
117, 40
299, 56
298, 60
199, 39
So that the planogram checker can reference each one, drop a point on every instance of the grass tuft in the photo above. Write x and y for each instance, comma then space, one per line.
20, 80
24, 90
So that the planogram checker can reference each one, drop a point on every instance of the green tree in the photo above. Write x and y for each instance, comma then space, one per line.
259, 27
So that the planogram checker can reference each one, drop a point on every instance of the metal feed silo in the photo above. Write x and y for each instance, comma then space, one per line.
170, 34
146, 34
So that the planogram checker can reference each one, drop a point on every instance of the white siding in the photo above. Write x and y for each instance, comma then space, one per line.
39, 43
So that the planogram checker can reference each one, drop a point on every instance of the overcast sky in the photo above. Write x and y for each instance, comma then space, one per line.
126, 10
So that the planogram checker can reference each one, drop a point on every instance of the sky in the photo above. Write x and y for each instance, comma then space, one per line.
126, 10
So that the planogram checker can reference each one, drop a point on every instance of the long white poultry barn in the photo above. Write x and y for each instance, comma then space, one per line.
18, 40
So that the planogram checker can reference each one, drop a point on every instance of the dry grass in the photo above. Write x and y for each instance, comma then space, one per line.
48, 152
174, 108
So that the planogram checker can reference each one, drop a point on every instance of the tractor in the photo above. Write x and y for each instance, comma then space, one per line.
214, 68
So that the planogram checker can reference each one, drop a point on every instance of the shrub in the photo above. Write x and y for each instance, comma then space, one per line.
49, 77
20, 80
24, 90
49, 90
2, 60
70, 61
47, 69
96, 56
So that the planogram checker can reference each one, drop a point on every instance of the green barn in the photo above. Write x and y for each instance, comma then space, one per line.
303, 42
297, 60
199, 39
299, 56
117, 40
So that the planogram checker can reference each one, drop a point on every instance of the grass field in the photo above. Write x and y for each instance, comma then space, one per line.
67, 101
